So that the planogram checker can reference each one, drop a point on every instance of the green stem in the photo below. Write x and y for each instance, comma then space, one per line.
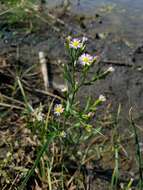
49, 179
138, 152
28, 106
95, 78
115, 175
31, 172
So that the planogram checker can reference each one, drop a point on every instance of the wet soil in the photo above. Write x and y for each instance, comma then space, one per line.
123, 86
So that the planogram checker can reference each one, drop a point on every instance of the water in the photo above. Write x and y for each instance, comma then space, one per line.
122, 22
89, 6
123, 16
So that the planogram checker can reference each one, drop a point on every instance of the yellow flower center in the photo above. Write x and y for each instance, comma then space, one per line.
76, 43
58, 110
86, 59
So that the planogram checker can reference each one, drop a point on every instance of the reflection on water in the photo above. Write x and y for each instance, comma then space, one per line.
124, 16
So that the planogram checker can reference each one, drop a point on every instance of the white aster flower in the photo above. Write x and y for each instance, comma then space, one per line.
86, 59
84, 39
58, 109
69, 38
102, 98
90, 114
75, 43
63, 134
40, 116
110, 69
37, 114
64, 89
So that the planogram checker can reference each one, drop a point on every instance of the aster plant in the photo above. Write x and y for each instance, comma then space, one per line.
68, 124
77, 123
79, 57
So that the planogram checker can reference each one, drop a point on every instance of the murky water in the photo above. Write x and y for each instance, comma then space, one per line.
89, 6
123, 16
122, 23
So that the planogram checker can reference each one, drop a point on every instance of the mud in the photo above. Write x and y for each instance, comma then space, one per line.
123, 87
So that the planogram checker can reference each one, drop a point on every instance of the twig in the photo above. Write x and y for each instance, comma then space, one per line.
116, 63
11, 99
48, 94
13, 182
43, 64
11, 106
